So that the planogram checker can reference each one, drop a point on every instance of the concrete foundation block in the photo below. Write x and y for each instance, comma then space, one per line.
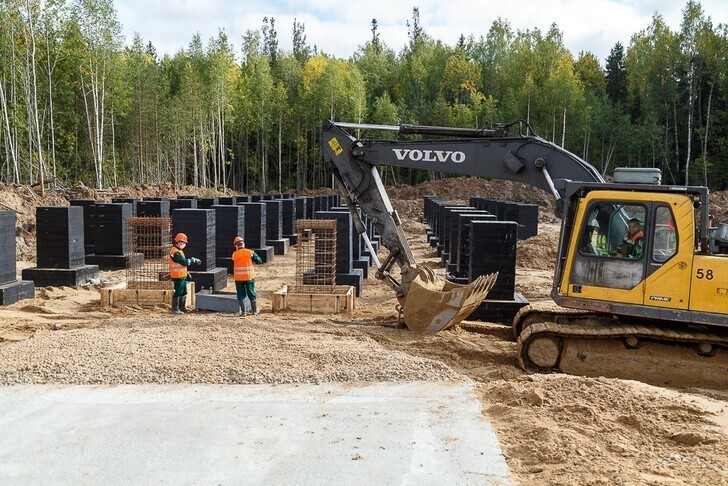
58, 277
280, 247
215, 279
353, 278
219, 302
13, 292
265, 253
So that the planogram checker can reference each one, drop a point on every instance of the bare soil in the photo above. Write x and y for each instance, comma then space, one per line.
554, 429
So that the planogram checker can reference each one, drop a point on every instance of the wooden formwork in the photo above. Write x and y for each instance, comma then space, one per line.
341, 300
117, 297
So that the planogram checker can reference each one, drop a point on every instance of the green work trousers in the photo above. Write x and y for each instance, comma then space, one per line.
180, 287
246, 288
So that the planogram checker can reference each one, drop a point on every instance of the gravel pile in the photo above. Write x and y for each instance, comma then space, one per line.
204, 349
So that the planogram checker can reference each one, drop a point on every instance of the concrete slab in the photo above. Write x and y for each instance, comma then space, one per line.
380, 433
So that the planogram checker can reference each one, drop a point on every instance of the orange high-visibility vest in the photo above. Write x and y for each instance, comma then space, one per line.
176, 270
243, 261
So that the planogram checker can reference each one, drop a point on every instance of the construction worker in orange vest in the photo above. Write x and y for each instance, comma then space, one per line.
178, 264
244, 274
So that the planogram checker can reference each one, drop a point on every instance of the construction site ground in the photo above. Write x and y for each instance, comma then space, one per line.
552, 428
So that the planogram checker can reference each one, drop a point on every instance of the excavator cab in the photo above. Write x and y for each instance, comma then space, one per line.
633, 250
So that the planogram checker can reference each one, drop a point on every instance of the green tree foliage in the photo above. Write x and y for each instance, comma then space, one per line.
76, 102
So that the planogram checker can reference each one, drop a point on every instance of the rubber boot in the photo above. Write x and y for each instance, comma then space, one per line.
183, 303
242, 312
254, 308
175, 305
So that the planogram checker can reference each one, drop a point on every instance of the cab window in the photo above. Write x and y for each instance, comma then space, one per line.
665, 245
614, 230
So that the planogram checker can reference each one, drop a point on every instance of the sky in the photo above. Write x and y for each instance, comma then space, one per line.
340, 27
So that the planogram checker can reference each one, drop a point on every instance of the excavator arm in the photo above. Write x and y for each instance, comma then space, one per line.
430, 303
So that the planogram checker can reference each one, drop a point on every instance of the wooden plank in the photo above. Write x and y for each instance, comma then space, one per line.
120, 297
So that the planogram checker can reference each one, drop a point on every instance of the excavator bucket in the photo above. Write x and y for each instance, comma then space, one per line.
434, 304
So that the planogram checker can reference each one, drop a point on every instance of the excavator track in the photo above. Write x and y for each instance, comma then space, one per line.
602, 345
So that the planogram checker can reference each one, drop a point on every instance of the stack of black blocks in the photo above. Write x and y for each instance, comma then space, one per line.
346, 274
359, 259
255, 235
110, 235
288, 215
153, 208
493, 249
199, 226
207, 202
446, 231
60, 249
229, 223
227, 200
11, 289
127, 200
182, 203
526, 215
300, 203
88, 223
462, 254
274, 227
452, 243
310, 207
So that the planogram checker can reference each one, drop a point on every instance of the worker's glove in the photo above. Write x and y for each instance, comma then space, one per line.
195, 261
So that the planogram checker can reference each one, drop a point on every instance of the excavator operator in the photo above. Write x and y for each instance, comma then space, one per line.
632, 242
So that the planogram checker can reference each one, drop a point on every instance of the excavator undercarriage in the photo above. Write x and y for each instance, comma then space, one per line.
552, 338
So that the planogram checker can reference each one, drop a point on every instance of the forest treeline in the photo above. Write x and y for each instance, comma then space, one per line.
79, 104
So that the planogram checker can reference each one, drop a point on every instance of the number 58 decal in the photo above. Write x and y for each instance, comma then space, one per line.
704, 274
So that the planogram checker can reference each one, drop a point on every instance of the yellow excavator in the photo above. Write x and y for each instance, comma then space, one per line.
641, 282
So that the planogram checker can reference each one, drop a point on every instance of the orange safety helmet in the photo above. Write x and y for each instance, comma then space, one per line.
180, 237
238, 240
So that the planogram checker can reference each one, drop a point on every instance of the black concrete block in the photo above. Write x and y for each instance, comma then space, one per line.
300, 203
207, 202
255, 222
213, 279
153, 209
110, 232
288, 216
256, 198
128, 200
199, 226
354, 277
112, 262
274, 220
265, 253
60, 236
225, 262
243, 199
363, 265
57, 277
13, 292
7, 247
188, 197
182, 204
280, 247
227, 200
493, 249
344, 254
310, 207
293, 239
229, 223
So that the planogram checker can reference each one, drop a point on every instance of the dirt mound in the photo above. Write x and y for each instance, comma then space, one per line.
558, 429
719, 206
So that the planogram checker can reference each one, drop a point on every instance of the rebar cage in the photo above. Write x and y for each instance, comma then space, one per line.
150, 240
316, 256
